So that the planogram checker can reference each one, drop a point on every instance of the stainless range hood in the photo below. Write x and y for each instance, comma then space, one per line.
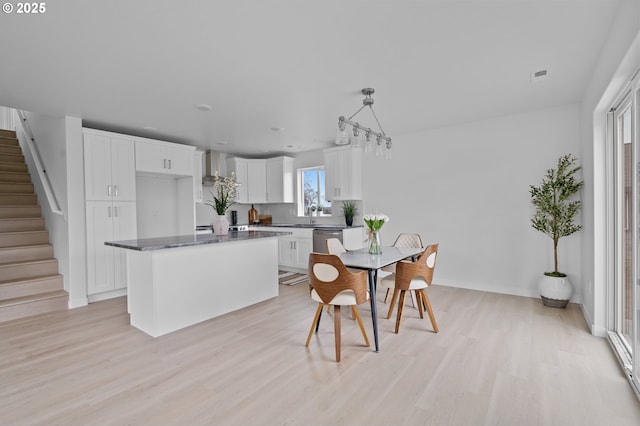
214, 162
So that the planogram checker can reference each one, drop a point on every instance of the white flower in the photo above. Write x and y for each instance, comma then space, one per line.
375, 221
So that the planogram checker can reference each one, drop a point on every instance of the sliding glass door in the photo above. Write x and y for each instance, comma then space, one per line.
625, 297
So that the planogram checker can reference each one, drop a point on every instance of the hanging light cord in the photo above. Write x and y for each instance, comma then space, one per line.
377, 121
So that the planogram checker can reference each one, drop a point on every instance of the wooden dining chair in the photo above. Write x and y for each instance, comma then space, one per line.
403, 241
332, 284
334, 246
414, 277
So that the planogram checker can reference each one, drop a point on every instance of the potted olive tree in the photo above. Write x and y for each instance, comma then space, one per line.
555, 212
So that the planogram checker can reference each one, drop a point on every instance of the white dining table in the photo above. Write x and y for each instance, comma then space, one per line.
361, 259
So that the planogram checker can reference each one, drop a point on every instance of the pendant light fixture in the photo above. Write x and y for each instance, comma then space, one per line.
360, 135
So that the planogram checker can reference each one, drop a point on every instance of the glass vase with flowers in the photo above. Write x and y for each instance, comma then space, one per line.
374, 223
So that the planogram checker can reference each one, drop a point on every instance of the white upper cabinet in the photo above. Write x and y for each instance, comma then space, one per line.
263, 181
197, 176
164, 157
110, 173
239, 167
343, 173
256, 181
280, 180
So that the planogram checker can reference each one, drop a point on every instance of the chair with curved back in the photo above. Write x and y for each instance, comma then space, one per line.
414, 276
334, 246
404, 241
332, 284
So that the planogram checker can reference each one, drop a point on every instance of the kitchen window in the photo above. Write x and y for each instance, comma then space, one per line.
311, 192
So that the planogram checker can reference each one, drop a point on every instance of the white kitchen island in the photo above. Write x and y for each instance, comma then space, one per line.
175, 282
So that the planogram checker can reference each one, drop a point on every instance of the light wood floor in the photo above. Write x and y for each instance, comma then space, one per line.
498, 360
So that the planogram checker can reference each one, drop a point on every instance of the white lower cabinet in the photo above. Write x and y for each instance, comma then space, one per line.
106, 266
294, 252
293, 249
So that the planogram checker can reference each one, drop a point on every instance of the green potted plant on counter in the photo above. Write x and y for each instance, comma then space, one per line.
555, 212
349, 210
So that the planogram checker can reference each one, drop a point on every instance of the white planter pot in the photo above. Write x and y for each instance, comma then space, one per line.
555, 291
221, 226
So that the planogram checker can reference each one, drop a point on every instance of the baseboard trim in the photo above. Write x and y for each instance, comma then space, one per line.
106, 295
78, 303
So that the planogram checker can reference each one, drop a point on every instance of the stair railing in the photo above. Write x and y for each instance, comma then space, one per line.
42, 172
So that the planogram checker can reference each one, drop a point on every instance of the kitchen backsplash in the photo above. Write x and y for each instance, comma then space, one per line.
281, 213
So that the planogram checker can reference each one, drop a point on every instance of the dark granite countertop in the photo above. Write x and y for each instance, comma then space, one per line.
191, 240
307, 225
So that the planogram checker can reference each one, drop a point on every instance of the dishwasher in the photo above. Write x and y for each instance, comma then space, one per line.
320, 237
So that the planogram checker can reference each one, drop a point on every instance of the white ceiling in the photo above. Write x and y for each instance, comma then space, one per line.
124, 65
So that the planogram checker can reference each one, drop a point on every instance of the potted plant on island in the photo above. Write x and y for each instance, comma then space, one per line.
349, 210
226, 189
555, 211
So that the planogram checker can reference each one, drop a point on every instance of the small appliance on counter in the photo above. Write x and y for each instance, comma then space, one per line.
204, 229
234, 217
238, 227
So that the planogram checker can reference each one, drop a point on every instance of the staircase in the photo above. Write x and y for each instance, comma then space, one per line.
29, 280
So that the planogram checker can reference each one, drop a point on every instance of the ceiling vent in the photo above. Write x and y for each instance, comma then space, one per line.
538, 76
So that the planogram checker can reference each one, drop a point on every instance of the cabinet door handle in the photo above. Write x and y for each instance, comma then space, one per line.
164, 163
169, 163
115, 210
109, 190
109, 211
115, 190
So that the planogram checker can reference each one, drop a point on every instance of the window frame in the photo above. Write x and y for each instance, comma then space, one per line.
300, 190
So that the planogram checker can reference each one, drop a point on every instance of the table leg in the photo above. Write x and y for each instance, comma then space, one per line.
373, 277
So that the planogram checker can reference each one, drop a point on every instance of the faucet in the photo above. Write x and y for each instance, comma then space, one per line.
310, 216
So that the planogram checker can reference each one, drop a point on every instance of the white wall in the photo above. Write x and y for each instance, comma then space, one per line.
50, 136
467, 188
6, 118
620, 57
156, 211
76, 277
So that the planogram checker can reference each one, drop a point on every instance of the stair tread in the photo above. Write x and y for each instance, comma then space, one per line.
16, 193
40, 296
29, 279
23, 232
24, 262
26, 247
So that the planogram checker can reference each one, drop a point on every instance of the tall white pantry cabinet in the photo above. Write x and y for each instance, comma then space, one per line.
110, 193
